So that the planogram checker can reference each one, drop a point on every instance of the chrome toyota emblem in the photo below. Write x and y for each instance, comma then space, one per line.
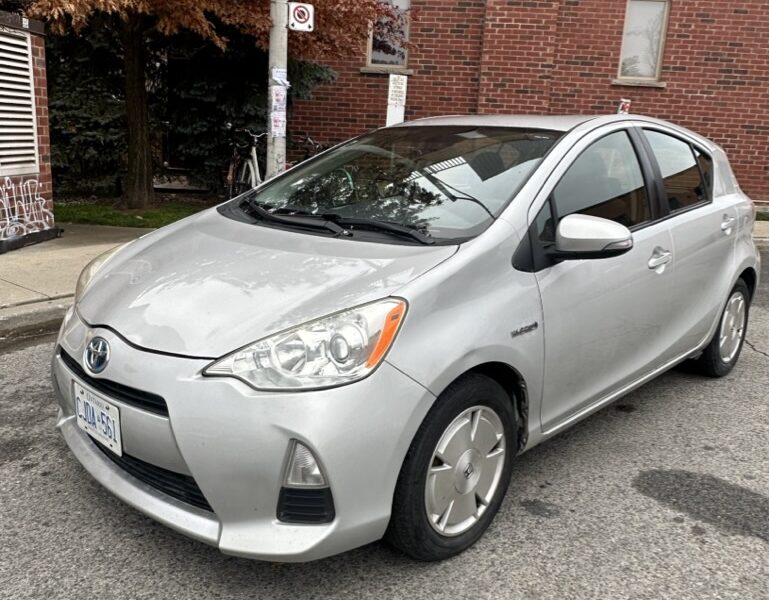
97, 354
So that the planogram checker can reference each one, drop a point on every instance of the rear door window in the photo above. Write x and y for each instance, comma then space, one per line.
685, 175
706, 169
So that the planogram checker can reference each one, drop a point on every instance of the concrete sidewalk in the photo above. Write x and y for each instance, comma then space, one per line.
761, 234
37, 283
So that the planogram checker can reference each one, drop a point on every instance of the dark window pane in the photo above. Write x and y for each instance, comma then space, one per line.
680, 172
605, 181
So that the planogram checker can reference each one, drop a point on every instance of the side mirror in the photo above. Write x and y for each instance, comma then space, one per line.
583, 236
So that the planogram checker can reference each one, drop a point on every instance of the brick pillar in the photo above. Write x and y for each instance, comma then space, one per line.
518, 53
45, 188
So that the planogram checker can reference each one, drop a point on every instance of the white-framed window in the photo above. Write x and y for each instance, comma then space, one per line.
643, 40
18, 122
386, 47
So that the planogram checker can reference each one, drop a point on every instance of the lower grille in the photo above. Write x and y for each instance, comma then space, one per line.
176, 485
305, 505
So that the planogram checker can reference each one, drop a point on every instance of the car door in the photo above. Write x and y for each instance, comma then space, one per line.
605, 320
704, 233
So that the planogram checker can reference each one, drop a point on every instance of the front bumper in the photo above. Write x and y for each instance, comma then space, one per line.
234, 440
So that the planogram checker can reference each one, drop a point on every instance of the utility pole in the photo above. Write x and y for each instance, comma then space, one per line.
277, 88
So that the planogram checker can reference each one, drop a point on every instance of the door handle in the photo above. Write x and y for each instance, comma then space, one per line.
659, 258
727, 224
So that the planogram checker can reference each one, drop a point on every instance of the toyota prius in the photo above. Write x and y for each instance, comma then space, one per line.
362, 347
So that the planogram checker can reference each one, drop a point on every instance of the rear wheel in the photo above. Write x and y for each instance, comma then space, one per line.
724, 349
456, 472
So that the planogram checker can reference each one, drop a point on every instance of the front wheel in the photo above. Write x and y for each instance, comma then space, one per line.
456, 472
724, 349
246, 179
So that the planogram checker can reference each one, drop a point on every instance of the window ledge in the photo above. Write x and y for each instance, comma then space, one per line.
386, 70
639, 83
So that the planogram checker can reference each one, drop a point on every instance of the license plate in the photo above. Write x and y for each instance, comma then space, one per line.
98, 418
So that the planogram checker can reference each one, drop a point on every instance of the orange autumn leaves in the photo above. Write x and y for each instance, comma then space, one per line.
340, 30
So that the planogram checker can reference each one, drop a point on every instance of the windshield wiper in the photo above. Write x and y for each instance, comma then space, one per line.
294, 220
445, 187
460, 195
411, 231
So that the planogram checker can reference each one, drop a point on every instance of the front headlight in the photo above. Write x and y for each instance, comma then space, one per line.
327, 352
87, 274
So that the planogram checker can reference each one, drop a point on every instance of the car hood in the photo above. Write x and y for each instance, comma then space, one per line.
208, 285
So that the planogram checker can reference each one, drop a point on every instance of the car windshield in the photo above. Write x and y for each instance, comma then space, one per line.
445, 182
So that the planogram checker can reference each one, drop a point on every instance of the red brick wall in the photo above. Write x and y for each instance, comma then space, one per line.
560, 56
519, 49
445, 77
448, 48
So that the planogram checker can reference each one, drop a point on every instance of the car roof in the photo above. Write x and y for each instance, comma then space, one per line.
552, 122
562, 123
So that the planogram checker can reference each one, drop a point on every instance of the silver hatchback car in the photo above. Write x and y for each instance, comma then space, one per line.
363, 346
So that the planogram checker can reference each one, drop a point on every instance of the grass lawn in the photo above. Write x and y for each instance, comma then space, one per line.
762, 216
106, 214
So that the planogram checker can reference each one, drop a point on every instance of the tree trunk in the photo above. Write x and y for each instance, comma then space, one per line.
138, 184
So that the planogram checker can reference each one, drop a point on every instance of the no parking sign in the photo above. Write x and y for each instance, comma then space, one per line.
301, 17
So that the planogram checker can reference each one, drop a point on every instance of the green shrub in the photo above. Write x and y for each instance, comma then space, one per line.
194, 88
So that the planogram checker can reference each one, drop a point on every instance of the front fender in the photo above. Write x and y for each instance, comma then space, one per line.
473, 309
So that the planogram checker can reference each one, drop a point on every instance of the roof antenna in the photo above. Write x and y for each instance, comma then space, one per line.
624, 106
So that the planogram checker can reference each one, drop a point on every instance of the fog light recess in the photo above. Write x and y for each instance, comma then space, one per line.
305, 496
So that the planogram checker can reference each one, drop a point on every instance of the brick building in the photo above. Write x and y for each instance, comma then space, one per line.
701, 63
26, 204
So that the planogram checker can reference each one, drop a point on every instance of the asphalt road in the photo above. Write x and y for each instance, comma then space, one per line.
664, 494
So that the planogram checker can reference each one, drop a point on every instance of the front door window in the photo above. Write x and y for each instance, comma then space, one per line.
605, 181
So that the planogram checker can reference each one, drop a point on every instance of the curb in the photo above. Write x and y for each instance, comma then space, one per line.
34, 319
761, 234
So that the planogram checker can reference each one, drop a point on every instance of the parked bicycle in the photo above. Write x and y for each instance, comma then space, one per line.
309, 148
244, 173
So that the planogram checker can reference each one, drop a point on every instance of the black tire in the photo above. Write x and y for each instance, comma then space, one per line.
710, 362
409, 529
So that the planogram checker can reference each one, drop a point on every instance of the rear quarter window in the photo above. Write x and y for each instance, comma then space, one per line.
705, 163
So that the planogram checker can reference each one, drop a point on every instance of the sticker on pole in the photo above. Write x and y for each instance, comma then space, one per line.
301, 17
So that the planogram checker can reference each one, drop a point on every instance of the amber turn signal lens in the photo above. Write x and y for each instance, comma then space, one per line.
391, 325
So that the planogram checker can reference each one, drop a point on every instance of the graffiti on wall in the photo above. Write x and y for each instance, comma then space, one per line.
22, 208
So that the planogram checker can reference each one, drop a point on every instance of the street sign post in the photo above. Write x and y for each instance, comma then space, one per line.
396, 99
296, 16
278, 78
